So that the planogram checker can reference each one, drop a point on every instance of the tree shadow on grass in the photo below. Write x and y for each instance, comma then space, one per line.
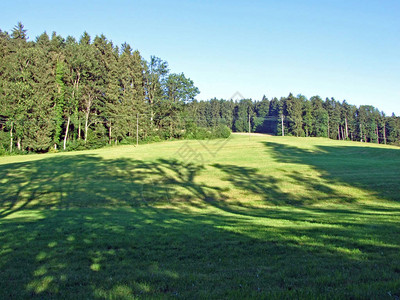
87, 228
269, 187
124, 253
376, 170
89, 181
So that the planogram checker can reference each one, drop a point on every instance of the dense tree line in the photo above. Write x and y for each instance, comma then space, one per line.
60, 93
299, 116
63, 93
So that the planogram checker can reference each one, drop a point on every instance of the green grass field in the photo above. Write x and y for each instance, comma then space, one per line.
250, 217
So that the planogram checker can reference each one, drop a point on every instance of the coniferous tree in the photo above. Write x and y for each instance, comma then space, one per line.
244, 115
282, 124
227, 110
261, 110
274, 117
19, 33
320, 117
294, 115
307, 117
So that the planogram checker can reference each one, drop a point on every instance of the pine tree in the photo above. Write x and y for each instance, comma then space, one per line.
227, 110
261, 114
274, 117
60, 101
294, 114
19, 33
320, 117
307, 117
244, 114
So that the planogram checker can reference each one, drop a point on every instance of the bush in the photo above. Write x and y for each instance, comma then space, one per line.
4, 140
202, 133
76, 145
52, 150
129, 140
150, 139
97, 137
3, 151
221, 131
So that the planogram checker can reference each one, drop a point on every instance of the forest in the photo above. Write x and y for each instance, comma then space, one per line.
60, 93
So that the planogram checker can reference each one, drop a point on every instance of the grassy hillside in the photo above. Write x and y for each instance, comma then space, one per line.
257, 216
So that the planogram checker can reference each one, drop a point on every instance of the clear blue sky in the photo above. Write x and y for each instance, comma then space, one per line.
344, 49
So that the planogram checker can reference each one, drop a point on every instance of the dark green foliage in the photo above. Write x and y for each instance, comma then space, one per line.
301, 117
294, 115
307, 117
221, 131
260, 120
320, 117
58, 92
4, 141
19, 33
201, 133
77, 145
59, 108
178, 88
243, 115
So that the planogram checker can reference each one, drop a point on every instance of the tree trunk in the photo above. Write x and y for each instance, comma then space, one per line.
19, 144
329, 131
283, 127
384, 133
249, 125
377, 134
11, 136
137, 129
75, 89
109, 133
86, 125
89, 102
342, 130
347, 128
338, 132
66, 133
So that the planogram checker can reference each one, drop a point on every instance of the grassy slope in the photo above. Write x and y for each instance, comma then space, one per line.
254, 217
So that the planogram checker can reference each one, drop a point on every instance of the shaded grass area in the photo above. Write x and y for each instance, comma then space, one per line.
299, 218
97, 253
372, 168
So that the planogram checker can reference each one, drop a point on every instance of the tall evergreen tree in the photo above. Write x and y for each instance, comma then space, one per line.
307, 117
294, 114
320, 117
261, 115
19, 33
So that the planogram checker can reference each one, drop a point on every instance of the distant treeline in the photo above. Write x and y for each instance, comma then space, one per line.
59, 93
299, 116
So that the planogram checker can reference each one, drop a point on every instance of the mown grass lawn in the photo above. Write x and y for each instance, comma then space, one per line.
251, 217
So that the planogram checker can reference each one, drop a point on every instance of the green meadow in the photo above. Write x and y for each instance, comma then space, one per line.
248, 217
